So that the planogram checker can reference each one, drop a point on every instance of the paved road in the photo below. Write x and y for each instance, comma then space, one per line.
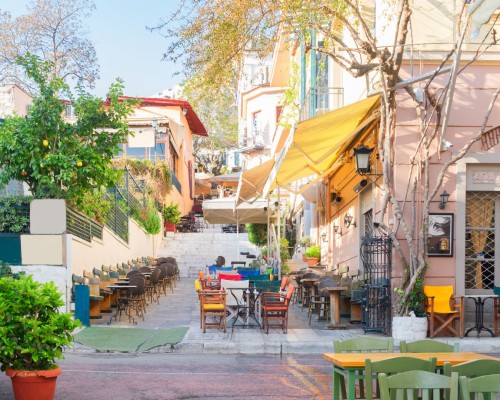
182, 376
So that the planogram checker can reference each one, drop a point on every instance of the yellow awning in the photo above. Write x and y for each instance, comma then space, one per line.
317, 143
252, 182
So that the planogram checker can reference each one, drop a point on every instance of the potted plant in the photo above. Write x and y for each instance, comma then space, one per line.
305, 242
414, 325
33, 332
313, 255
171, 215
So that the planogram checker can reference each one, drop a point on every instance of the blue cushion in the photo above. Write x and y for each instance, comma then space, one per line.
245, 273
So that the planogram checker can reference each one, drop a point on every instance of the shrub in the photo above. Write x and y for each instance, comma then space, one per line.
313, 252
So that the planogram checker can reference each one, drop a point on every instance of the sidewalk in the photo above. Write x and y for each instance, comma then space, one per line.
181, 309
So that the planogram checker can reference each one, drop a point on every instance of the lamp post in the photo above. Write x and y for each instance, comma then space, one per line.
362, 154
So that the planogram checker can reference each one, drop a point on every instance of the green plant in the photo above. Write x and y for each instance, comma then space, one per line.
14, 213
284, 256
33, 331
257, 234
171, 213
148, 217
6, 271
313, 252
305, 241
416, 300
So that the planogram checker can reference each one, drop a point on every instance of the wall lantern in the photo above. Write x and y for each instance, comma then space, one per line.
362, 154
444, 199
323, 237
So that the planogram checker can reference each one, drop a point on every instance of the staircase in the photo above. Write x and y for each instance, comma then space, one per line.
195, 250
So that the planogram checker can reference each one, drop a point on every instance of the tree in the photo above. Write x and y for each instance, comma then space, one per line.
214, 35
219, 115
53, 30
60, 158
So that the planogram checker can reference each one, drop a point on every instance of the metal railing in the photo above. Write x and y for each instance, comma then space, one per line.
116, 218
82, 226
320, 100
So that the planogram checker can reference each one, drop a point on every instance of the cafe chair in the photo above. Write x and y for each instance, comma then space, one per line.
277, 311
320, 303
428, 346
482, 387
432, 386
308, 289
444, 310
496, 309
473, 369
364, 344
133, 300
234, 298
392, 366
213, 309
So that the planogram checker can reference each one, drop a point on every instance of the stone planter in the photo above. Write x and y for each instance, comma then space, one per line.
409, 328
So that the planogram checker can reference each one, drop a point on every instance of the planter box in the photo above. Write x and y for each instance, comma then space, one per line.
409, 328
312, 261
169, 227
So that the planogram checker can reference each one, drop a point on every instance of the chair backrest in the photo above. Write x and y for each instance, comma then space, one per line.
230, 277
442, 296
474, 368
132, 273
496, 290
197, 285
139, 281
163, 271
431, 385
237, 295
428, 346
284, 281
364, 344
482, 387
155, 276
392, 366
144, 269
289, 293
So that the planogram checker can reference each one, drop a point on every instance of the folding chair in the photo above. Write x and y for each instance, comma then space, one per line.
444, 310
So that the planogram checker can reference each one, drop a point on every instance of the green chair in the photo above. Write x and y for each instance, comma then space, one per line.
474, 368
365, 344
392, 366
427, 346
431, 386
482, 387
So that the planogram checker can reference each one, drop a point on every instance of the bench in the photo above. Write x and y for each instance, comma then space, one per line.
110, 297
92, 306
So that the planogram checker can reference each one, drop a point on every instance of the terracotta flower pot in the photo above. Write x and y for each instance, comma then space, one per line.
312, 261
34, 385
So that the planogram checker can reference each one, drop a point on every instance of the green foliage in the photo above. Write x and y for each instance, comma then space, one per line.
33, 331
14, 213
148, 217
257, 234
313, 252
95, 203
284, 256
57, 158
171, 213
305, 241
6, 271
416, 298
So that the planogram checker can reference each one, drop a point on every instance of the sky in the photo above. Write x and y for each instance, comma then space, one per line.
125, 48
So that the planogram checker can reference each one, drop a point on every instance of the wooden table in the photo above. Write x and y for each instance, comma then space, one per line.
345, 365
335, 307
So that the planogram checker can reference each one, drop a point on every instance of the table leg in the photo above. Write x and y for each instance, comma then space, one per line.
479, 320
336, 384
335, 311
351, 384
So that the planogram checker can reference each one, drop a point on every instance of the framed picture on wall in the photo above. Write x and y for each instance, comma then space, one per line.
440, 239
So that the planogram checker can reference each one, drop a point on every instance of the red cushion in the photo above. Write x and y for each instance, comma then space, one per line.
233, 277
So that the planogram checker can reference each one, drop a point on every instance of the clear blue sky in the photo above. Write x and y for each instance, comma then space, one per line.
124, 47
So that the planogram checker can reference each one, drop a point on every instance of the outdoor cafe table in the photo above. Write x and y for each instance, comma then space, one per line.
346, 365
335, 307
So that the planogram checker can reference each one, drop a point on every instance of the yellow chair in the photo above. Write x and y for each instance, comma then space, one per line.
444, 310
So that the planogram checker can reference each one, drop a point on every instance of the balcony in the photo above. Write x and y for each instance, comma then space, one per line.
320, 100
254, 141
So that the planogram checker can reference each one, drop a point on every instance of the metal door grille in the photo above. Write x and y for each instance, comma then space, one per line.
376, 255
480, 239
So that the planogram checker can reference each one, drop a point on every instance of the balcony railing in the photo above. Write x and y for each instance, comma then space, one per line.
320, 100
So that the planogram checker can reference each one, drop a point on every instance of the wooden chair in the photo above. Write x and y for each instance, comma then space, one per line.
213, 306
496, 308
444, 310
431, 385
277, 310
363, 344
474, 368
321, 302
482, 387
427, 346
392, 366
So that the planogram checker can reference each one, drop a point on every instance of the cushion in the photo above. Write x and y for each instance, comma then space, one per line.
230, 277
